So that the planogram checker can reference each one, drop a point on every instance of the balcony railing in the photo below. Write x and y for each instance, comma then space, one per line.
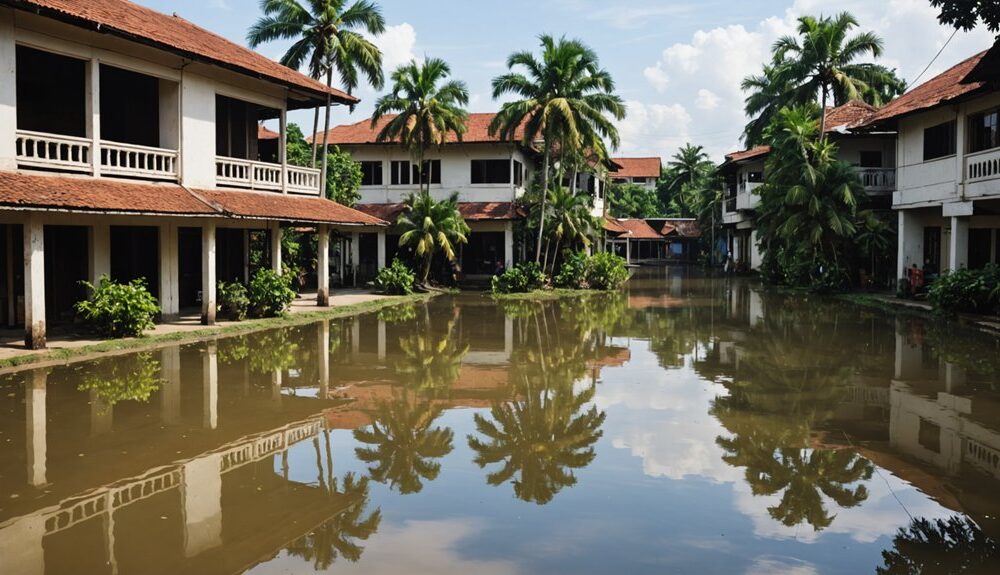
75, 154
249, 174
878, 179
983, 165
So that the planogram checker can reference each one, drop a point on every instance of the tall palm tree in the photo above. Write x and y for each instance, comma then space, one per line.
565, 99
427, 107
572, 222
338, 536
430, 226
687, 165
767, 93
326, 37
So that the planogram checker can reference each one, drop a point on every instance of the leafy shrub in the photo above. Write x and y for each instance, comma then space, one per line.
606, 271
396, 279
968, 291
573, 273
118, 310
398, 314
233, 300
522, 278
270, 293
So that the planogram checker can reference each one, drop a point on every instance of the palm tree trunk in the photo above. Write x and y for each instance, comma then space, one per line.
326, 132
822, 116
315, 130
541, 214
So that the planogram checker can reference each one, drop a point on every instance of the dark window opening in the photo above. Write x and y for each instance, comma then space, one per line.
65, 266
371, 173
932, 247
983, 134
236, 128
755, 177
135, 254
871, 159
518, 174
939, 141
51, 93
979, 247
400, 173
929, 435
130, 105
490, 172
484, 254
639, 180
431, 173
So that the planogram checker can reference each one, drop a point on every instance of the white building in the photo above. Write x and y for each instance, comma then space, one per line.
641, 171
129, 147
948, 162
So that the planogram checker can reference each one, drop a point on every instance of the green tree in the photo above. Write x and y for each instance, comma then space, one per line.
686, 176
326, 37
965, 14
633, 201
427, 107
429, 226
767, 93
572, 224
941, 547
565, 99
343, 174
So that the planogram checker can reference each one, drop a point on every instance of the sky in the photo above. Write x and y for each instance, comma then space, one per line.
677, 63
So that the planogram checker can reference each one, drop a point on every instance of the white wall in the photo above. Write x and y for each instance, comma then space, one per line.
8, 90
197, 131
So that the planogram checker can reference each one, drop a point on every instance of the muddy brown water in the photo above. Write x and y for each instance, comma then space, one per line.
685, 425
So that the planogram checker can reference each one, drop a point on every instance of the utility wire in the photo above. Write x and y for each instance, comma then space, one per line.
931, 63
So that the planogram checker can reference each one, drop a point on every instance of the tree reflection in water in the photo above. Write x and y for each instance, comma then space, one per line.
432, 360
337, 537
132, 377
942, 546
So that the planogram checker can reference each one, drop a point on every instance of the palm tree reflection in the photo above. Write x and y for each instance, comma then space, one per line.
942, 546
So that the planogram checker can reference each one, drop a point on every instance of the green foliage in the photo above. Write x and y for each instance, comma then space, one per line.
233, 300
343, 177
396, 279
133, 377
397, 314
633, 201
942, 546
573, 273
965, 14
606, 271
967, 291
522, 278
270, 293
118, 310
429, 226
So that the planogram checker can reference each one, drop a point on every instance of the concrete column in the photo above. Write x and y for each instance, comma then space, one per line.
323, 266
355, 256
276, 234
958, 244
246, 257
323, 353
276, 383
8, 91
34, 282
355, 338
170, 306
508, 336
911, 242
381, 250
11, 302
100, 252
208, 279
283, 149
508, 245
202, 495
628, 251
381, 340
210, 386
93, 112
35, 416
909, 358
170, 393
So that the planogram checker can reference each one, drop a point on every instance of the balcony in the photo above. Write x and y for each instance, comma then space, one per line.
983, 165
878, 180
265, 176
74, 154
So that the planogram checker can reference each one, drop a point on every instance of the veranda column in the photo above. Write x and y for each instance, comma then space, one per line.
276, 234
381, 340
381, 249
34, 283
100, 252
210, 386
958, 246
170, 305
93, 113
208, 295
508, 244
170, 393
323, 351
323, 266
35, 416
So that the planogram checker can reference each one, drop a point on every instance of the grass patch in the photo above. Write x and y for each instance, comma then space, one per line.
546, 294
124, 345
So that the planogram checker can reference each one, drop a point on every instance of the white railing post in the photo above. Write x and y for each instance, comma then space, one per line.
93, 111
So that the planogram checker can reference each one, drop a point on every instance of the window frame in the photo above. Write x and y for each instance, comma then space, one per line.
434, 169
398, 170
485, 172
946, 152
379, 164
518, 179
972, 124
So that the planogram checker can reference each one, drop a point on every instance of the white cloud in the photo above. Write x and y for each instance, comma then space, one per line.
397, 44
631, 17
657, 77
653, 129
707, 100
775, 565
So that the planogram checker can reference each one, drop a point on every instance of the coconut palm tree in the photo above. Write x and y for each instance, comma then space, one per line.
326, 36
943, 546
687, 168
427, 107
338, 536
767, 93
572, 222
430, 226
565, 99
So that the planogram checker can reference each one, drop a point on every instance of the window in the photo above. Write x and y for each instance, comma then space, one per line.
939, 141
639, 180
871, 159
755, 177
432, 172
983, 133
619, 180
371, 173
490, 171
400, 173
518, 174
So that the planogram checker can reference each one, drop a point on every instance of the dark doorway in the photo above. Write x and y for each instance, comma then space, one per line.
135, 253
12, 286
979, 247
367, 257
189, 266
932, 247
484, 253
132, 103
50, 93
229, 256
66, 265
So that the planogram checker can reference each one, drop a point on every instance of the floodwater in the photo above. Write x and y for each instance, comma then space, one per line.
684, 425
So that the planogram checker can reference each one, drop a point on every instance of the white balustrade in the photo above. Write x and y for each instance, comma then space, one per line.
303, 180
878, 179
982, 165
138, 161
41, 150
240, 173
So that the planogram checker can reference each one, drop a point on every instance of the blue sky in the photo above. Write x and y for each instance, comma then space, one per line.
678, 64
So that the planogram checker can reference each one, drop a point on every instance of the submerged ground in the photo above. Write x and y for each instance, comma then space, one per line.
684, 425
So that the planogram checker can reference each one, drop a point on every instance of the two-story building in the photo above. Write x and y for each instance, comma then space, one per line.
640, 171
870, 149
947, 191
487, 173
130, 147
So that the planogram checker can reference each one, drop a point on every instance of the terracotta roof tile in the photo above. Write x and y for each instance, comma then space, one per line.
471, 211
849, 115
938, 90
637, 167
611, 225
286, 207
684, 228
264, 134
178, 35
476, 132
748, 154
97, 194
639, 229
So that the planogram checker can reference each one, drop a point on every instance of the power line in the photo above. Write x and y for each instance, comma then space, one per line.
931, 63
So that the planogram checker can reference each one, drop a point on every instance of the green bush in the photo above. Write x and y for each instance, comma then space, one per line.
522, 278
396, 279
118, 310
233, 301
606, 271
573, 273
967, 291
270, 293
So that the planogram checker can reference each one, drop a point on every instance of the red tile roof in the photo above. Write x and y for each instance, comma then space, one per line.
639, 229
939, 90
285, 207
471, 211
612, 226
637, 167
19, 190
748, 154
174, 34
684, 228
476, 131
849, 115
264, 134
